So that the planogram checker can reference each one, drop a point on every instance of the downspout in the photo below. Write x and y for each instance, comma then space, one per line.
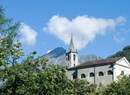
113, 72
94, 74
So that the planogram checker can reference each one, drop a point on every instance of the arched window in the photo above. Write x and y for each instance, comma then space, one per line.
91, 74
100, 73
110, 72
83, 76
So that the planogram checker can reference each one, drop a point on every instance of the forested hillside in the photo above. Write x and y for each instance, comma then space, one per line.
124, 53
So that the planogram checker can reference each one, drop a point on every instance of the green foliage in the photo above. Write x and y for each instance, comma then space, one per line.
124, 53
10, 52
120, 87
10, 48
82, 87
36, 77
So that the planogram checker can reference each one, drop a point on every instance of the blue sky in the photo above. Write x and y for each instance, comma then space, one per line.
100, 27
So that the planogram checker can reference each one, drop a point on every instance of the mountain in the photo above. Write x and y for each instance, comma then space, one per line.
57, 56
55, 53
90, 57
125, 52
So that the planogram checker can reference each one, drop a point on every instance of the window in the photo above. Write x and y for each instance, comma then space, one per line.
83, 76
100, 73
122, 73
68, 57
74, 57
91, 74
110, 72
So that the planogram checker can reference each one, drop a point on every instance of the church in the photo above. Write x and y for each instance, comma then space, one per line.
100, 72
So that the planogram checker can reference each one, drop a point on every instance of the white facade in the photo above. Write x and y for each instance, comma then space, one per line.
72, 59
121, 66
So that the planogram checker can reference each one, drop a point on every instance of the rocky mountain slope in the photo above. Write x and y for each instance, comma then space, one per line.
90, 57
57, 56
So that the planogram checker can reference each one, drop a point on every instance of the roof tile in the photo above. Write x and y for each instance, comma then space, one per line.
98, 62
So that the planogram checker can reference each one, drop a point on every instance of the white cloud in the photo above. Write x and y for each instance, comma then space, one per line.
84, 28
28, 35
118, 39
121, 20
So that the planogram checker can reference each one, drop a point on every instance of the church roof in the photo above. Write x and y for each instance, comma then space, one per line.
98, 62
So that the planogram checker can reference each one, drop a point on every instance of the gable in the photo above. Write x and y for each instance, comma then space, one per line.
123, 62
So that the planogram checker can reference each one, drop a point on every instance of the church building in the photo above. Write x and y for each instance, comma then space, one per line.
100, 72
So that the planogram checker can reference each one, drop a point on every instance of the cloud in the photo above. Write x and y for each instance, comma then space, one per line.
83, 28
118, 39
28, 35
121, 20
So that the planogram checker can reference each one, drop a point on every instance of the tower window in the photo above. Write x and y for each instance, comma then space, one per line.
68, 57
110, 72
74, 57
83, 76
100, 73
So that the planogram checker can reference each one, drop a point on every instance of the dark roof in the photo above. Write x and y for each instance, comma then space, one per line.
98, 62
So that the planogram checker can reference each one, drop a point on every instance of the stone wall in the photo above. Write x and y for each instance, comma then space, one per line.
97, 79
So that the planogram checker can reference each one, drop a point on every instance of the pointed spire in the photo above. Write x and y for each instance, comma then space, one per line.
71, 48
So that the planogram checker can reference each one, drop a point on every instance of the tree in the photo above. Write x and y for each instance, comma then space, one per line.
82, 87
10, 49
120, 87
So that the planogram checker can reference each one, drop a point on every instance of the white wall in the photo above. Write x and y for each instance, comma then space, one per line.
72, 62
118, 69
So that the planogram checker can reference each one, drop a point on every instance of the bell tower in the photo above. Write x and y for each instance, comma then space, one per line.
71, 55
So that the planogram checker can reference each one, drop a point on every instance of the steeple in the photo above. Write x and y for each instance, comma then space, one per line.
71, 55
71, 48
